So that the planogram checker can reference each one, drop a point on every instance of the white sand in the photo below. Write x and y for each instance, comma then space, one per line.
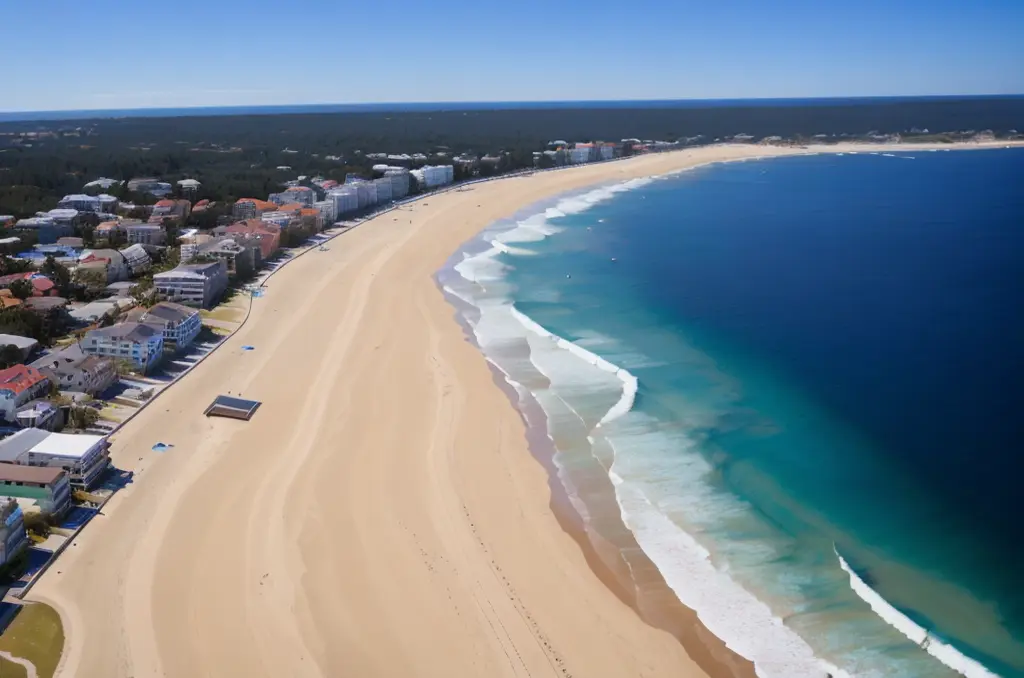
379, 516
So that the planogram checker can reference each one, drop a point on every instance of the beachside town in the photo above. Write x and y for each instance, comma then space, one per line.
104, 303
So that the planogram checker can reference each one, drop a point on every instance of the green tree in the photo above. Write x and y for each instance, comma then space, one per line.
22, 289
9, 355
143, 292
90, 282
82, 417
57, 272
9, 265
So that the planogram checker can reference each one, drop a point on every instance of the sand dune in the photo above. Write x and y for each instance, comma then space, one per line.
380, 516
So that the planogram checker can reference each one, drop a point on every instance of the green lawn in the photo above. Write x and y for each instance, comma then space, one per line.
37, 635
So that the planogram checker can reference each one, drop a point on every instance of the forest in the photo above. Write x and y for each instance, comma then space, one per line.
238, 156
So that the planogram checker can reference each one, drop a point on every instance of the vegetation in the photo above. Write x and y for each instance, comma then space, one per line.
58, 273
9, 355
82, 417
238, 156
37, 635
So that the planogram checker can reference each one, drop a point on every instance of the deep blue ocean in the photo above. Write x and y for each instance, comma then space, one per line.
91, 114
828, 352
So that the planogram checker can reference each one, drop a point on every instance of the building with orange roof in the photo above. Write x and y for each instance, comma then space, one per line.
267, 237
18, 385
251, 208
299, 194
8, 300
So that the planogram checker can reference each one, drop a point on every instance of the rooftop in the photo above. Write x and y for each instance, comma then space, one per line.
21, 442
16, 473
169, 311
19, 378
66, 445
126, 331
20, 342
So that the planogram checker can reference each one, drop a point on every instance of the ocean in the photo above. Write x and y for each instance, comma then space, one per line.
797, 382
414, 107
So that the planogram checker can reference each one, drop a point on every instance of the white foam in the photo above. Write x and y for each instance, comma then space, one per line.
945, 653
737, 617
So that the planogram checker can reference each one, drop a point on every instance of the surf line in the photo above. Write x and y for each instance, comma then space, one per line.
920, 636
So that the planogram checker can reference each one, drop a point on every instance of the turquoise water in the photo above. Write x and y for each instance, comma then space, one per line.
778, 363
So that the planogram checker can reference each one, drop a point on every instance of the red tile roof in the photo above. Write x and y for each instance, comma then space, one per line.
297, 188
309, 212
290, 207
19, 378
165, 203
261, 205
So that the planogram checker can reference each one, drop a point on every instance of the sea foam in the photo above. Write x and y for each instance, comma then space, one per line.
945, 653
740, 619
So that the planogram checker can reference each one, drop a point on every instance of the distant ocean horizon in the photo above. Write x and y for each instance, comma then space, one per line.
413, 107
801, 378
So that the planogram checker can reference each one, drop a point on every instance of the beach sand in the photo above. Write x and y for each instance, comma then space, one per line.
381, 515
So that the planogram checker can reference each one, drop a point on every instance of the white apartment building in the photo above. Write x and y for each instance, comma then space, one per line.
345, 200
383, 189
84, 457
139, 344
327, 213
194, 284
145, 234
432, 176
179, 324
399, 182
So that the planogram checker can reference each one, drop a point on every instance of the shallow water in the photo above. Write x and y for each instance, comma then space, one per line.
781, 362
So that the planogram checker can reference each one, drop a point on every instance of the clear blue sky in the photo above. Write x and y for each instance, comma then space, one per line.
75, 54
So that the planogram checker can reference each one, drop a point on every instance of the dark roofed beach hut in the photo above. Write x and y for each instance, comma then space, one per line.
235, 408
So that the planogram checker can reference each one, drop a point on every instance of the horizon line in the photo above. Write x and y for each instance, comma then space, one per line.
468, 102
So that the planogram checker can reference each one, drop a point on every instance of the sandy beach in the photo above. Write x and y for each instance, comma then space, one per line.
381, 515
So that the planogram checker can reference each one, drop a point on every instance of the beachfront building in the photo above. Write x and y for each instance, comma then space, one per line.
84, 457
137, 260
303, 195
18, 385
140, 345
194, 284
345, 200
266, 238
252, 208
366, 194
13, 538
433, 176
48, 488
72, 369
145, 234
580, 154
326, 210
382, 187
179, 324
399, 178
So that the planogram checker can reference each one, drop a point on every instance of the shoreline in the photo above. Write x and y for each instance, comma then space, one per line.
396, 490
654, 600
